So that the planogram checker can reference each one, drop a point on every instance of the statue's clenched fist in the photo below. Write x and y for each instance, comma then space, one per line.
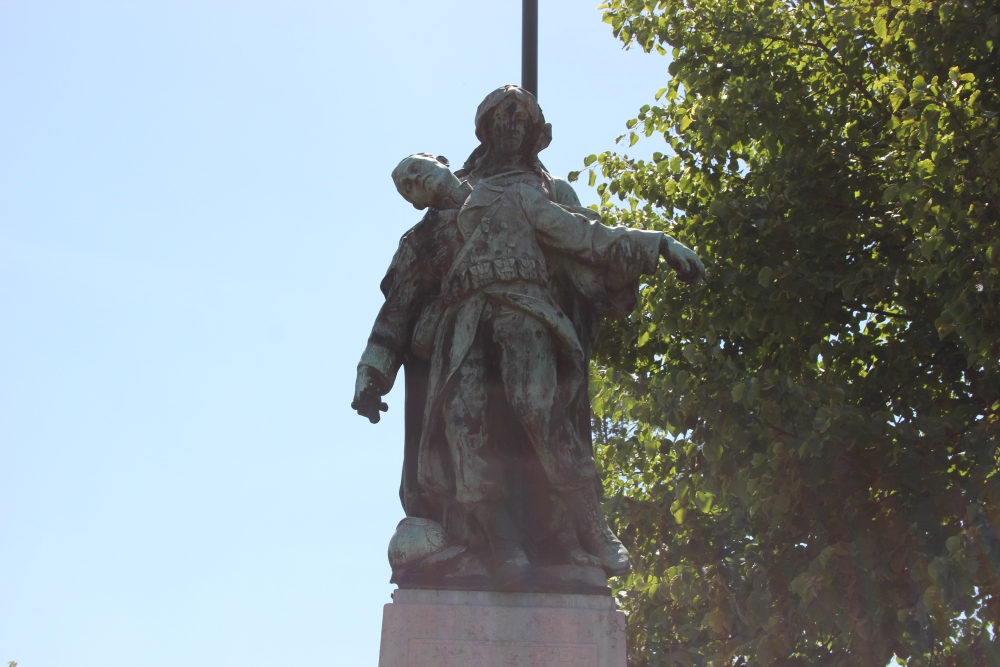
368, 395
682, 260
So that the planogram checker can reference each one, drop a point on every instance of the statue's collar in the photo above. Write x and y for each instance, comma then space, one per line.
504, 178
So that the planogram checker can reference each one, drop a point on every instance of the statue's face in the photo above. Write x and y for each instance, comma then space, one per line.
424, 180
510, 128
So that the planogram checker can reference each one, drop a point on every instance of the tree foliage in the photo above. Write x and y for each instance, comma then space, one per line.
802, 453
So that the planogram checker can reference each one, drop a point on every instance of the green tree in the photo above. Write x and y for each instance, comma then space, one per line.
802, 453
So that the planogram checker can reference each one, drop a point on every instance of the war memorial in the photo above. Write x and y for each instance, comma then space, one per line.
493, 303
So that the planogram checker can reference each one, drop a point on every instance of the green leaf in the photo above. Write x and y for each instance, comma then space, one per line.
898, 96
712, 450
738, 391
704, 501
801, 584
764, 276
880, 27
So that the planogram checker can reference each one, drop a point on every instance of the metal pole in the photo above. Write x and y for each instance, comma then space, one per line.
529, 46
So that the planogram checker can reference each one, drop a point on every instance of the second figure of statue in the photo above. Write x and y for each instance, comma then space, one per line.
493, 304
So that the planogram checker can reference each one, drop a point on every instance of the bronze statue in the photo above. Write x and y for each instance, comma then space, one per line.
493, 305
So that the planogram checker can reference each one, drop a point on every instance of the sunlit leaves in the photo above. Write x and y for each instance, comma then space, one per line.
802, 453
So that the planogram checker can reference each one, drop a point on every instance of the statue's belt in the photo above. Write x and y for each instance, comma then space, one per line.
470, 277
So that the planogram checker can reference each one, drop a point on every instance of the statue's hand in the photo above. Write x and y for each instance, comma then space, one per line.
367, 395
682, 260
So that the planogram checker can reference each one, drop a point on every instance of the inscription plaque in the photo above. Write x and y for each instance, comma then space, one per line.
443, 653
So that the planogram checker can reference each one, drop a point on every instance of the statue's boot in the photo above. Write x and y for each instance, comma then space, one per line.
593, 530
577, 556
569, 544
510, 562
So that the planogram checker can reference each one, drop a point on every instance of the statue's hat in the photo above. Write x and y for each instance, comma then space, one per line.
541, 130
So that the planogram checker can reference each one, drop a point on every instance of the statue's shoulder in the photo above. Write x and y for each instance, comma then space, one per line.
416, 250
433, 222
554, 189
428, 243
410, 243
563, 193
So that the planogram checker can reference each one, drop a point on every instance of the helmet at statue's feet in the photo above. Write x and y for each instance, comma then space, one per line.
415, 540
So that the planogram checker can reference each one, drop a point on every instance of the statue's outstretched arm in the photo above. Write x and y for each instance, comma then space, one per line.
582, 236
406, 287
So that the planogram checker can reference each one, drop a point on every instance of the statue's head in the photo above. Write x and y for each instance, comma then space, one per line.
510, 122
424, 180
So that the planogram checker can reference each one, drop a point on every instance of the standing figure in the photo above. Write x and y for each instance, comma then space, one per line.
493, 303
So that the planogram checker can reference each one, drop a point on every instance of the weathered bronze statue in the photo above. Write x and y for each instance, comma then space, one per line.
493, 305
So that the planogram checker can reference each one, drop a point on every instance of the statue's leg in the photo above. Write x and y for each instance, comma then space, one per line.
526, 356
478, 487
527, 359
464, 412
567, 538
510, 562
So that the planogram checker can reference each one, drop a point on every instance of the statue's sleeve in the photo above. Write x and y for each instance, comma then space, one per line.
623, 253
563, 193
405, 286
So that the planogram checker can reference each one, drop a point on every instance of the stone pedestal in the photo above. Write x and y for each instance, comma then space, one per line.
432, 628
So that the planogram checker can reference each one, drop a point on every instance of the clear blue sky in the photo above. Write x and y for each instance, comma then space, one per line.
195, 214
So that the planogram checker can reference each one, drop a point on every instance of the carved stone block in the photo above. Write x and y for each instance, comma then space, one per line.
431, 628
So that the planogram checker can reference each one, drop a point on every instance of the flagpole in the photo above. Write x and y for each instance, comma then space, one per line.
529, 46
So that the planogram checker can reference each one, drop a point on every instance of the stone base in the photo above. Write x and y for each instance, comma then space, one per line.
473, 576
434, 628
